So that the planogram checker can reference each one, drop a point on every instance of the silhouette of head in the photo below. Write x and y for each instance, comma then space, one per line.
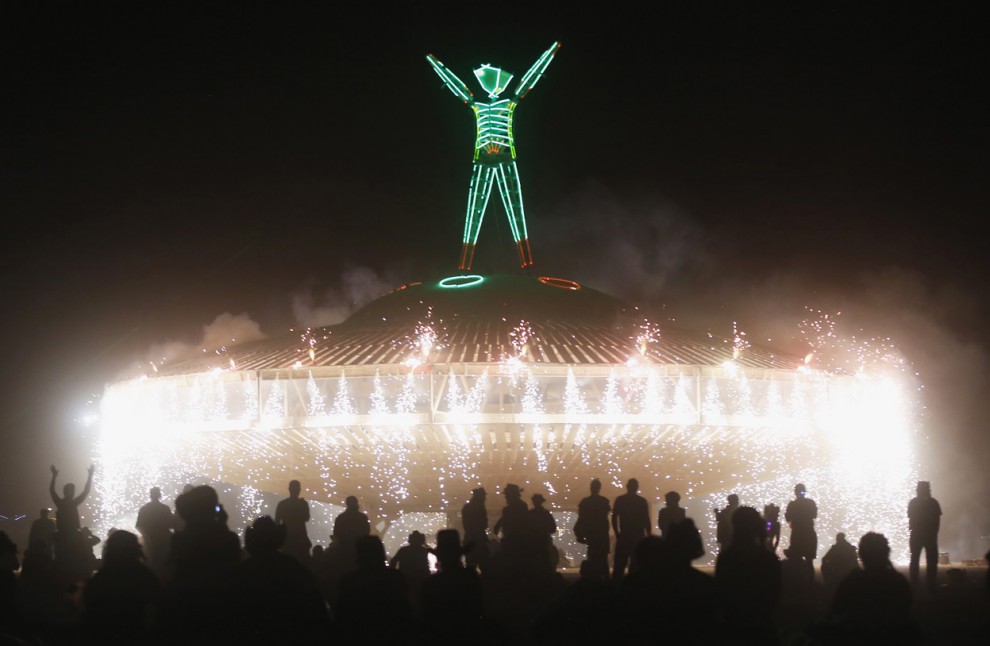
733, 499
840, 537
596, 486
448, 550
199, 504
294, 488
45, 512
874, 551
478, 493
672, 498
747, 526
351, 502
685, 542
512, 492
417, 538
800, 490
633, 485
924, 489
69, 490
370, 552
155, 494
538, 500
492, 79
122, 547
264, 536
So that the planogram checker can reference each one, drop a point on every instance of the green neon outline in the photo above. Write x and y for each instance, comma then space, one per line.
475, 279
495, 148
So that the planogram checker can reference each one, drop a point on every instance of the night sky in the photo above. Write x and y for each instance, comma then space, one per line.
283, 165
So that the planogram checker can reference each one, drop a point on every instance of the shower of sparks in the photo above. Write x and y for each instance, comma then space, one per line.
418, 437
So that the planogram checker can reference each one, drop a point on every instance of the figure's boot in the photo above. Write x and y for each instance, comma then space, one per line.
525, 253
467, 256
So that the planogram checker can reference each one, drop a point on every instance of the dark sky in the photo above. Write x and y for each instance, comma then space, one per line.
165, 165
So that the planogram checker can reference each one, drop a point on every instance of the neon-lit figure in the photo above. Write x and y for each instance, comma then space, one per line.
494, 150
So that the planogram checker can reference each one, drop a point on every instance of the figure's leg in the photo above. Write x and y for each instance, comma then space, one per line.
511, 192
478, 194
915, 544
931, 564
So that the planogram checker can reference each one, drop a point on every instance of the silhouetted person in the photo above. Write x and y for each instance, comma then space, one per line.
723, 521
70, 549
513, 524
373, 595
453, 605
801, 514
413, 562
42, 529
771, 517
838, 561
665, 600
591, 529
873, 605
293, 512
277, 597
8, 585
544, 527
630, 522
203, 555
120, 601
155, 523
474, 518
924, 517
671, 513
176, 518
350, 525
748, 579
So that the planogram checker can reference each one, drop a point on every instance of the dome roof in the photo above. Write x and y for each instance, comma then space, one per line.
476, 319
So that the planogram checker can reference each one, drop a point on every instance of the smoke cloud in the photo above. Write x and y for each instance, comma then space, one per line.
226, 329
315, 306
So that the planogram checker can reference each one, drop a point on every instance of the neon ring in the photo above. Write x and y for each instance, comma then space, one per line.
560, 283
454, 282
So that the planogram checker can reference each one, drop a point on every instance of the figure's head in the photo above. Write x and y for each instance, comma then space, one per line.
198, 505
538, 500
672, 498
747, 525
840, 537
512, 492
596, 486
294, 488
874, 550
479, 493
417, 538
633, 485
351, 502
264, 536
800, 490
492, 79
69, 490
155, 493
44, 512
122, 548
924, 488
733, 499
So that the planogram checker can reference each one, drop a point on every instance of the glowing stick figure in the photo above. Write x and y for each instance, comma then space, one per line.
494, 150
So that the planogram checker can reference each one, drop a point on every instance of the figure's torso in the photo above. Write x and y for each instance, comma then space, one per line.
494, 142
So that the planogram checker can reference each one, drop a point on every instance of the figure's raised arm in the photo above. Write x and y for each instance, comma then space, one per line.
450, 79
536, 72
51, 486
89, 483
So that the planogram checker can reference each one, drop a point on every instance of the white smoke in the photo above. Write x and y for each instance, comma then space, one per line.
225, 330
316, 306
